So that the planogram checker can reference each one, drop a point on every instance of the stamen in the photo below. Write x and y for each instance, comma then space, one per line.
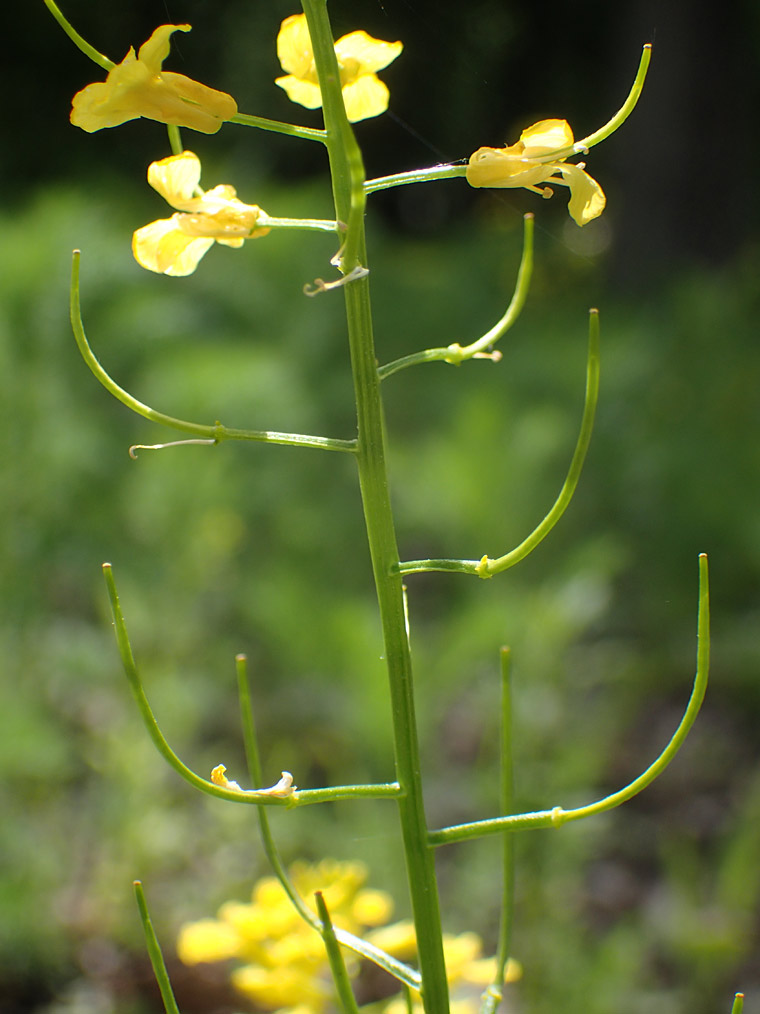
320, 285
172, 443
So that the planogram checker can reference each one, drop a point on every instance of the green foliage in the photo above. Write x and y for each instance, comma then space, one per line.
601, 625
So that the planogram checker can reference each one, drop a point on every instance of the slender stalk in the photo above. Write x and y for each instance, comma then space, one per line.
348, 180
558, 816
335, 957
435, 172
246, 120
76, 38
456, 353
216, 433
175, 139
154, 952
487, 567
493, 995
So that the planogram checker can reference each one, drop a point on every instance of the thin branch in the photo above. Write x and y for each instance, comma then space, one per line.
456, 353
154, 952
217, 432
557, 816
487, 567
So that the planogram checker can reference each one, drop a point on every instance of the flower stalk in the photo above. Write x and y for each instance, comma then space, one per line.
348, 179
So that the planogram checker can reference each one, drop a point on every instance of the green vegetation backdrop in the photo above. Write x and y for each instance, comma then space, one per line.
651, 908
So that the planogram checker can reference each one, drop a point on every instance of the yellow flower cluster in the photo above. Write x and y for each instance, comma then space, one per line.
283, 962
535, 159
174, 246
359, 58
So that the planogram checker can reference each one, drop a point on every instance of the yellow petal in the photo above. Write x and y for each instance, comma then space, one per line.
176, 178
213, 106
366, 97
138, 87
303, 92
176, 99
500, 167
207, 940
111, 102
370, 54
156, 49
163, 247
371, 907
294, 50
545, 137
280, 987
587, 200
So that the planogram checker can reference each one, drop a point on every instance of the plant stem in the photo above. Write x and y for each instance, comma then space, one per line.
348, 180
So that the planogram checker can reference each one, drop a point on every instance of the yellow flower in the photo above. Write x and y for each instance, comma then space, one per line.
534, 160
359, 57
138, 87
174, 246
283, 962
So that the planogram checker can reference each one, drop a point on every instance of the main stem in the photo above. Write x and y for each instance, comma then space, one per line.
348, 180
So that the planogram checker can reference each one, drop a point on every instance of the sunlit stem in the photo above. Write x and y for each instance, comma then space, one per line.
217, 432
557, 816
279, 128
738, 1004
313, 224
492, 997
154, 952
175, 139
372, 790
348, 179
620, 116
435, 172
456, 353
77, 39
335, 958
626, 109
487, 567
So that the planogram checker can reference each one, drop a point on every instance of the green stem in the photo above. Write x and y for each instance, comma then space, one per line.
557, 816
154, 952
130, 668
738, 1004
348, 180
486, 567
435, 172
279, 128
456, 353
76, 38
306, 224
625, 110
331, 794
494, 994
175, 139
217, 432
335, 958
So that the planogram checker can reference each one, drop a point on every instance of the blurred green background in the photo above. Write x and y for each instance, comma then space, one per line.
652, 908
